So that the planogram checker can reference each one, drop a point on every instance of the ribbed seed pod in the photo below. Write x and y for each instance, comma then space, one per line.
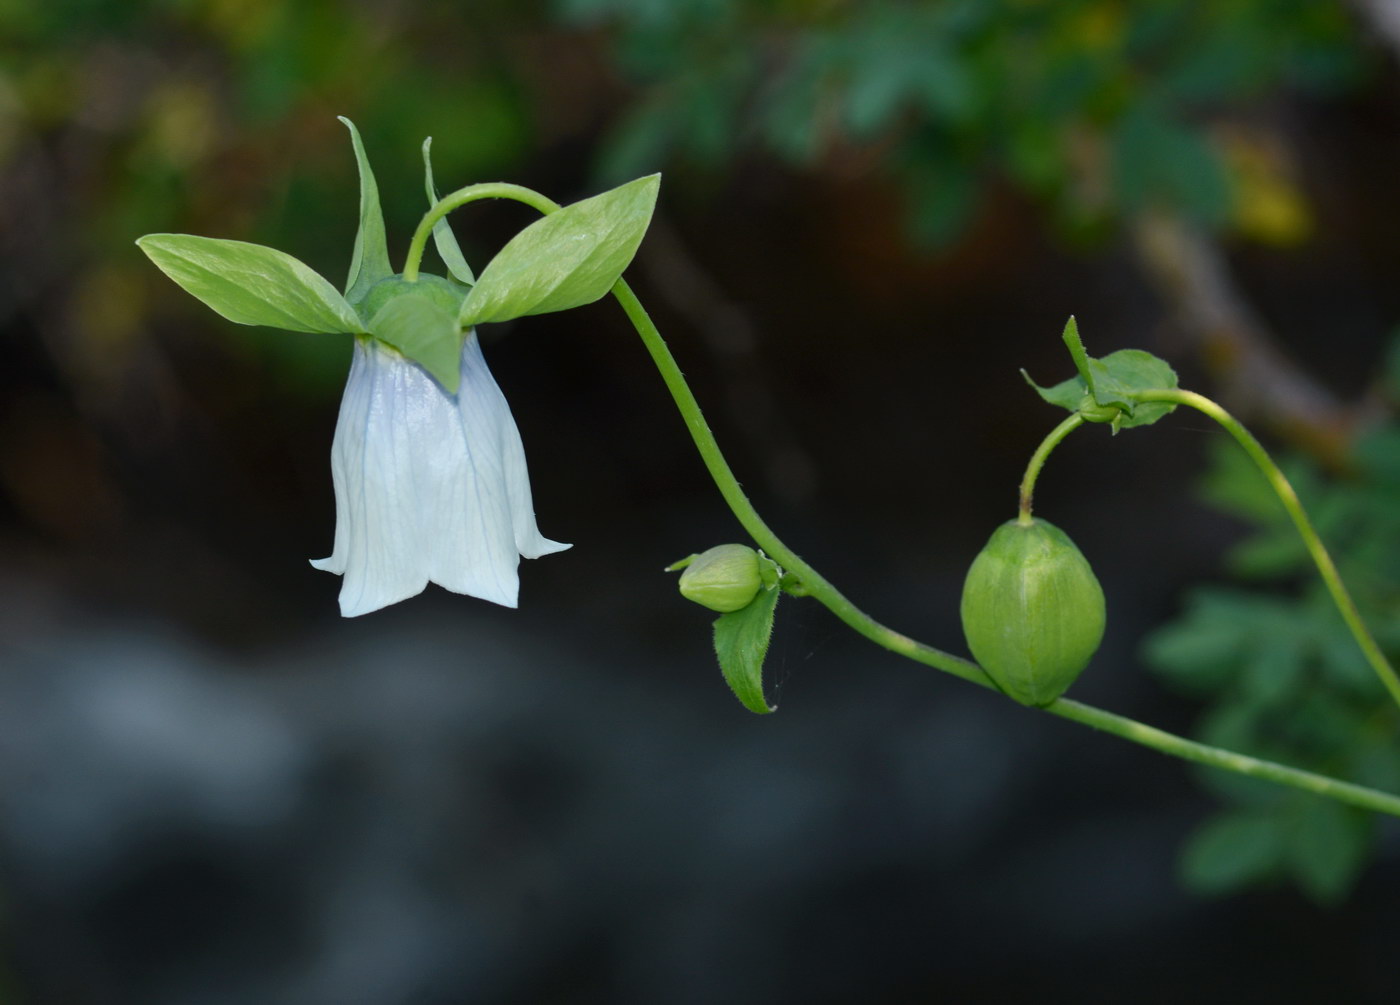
1032, 611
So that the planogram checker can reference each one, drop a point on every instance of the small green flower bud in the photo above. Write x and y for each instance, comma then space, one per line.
725, 578
1032, 611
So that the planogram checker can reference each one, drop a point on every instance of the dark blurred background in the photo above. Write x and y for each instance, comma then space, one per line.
215, 790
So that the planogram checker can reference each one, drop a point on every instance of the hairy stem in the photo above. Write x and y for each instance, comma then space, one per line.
1038, 461
816, 586
1306, 531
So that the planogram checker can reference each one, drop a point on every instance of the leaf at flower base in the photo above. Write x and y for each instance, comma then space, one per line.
1119, 374
425, 332
370, 261
571, 257
1116, 377
1067, 394
741, 643
1232, 851
250, 284
443, 237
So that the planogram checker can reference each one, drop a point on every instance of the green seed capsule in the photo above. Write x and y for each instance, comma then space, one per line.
724, 579
1032, 611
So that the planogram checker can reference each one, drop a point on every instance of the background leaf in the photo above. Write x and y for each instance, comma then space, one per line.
741, 643
1327, 848
250, 284
569, 258
1231, 851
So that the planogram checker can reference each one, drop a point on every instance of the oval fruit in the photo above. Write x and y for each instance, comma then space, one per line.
1032, 611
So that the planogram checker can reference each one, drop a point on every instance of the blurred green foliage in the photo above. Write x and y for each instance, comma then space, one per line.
218, 117
1282, 676
1099, 108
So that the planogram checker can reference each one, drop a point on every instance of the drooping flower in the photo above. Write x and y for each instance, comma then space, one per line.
430, 486
429, 471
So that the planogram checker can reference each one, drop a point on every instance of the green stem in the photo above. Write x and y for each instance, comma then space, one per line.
1038, 461
1190, 750
817, 587
1285, 492
815, 584
454, 200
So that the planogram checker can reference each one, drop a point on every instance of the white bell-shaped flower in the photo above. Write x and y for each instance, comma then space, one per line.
429, 486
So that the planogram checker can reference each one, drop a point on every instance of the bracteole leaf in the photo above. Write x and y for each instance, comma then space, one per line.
250, 284
571, 257
741, 643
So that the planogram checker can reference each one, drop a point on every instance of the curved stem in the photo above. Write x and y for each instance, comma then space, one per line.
1306, 531
817, 587
815, 584
1038, 461
454, 200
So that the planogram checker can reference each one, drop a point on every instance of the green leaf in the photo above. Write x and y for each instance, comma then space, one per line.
1199, 652
1068, 394
741, 642
250, 284
1121, 373
1231, 851
370, 262
573, 256
1327, 848
443, 238
1116, 377
420, 328
1274, 667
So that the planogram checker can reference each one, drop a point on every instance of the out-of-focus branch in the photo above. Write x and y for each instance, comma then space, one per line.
1258, 380
1384, 17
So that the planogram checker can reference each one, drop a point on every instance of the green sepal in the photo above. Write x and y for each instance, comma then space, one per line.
571, 257
741, 643
446, 294
443, 238
1067, 394
370, 261
1104, 390
250, 284
1119, 374
419, 326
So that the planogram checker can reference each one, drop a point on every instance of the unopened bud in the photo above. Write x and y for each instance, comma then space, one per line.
725, 578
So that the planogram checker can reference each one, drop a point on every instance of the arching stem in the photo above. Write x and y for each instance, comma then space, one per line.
1038, 461
1306, 531
817, 587
459, 198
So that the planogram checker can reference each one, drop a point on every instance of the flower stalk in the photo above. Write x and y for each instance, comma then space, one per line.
817, 587
1325, 566
801, 579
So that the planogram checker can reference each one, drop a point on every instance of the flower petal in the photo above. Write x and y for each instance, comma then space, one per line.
378, 546
481, 394
429, 485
